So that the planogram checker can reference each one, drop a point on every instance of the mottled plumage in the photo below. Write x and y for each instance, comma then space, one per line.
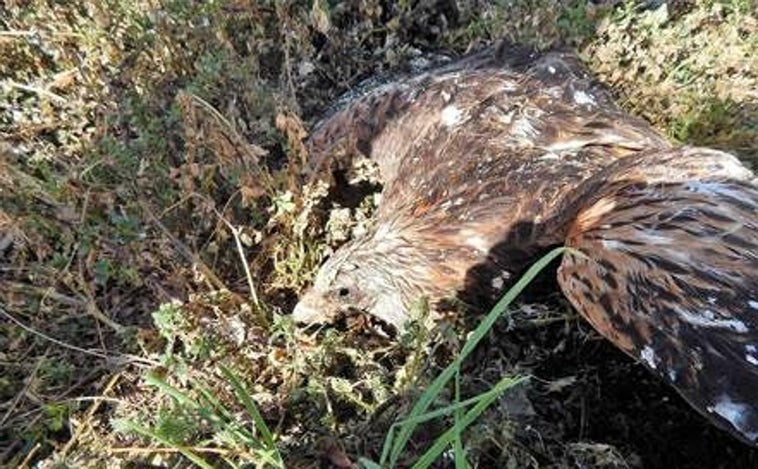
490, 160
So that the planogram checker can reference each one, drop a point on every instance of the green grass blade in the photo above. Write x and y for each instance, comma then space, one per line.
186, 452
458, 451
431, 455
182, 399
223, 419
368, 464
448, 410
395, 444
252, 408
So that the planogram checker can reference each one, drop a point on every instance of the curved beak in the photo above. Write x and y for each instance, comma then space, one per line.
313, 309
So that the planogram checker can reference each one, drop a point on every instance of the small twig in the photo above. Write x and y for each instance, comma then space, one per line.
245, 265
20, 394
130, 358
184, 250
47, 292
132, 449
91, 411
240, 250
240, 141
32, 33
30, 455
37, 90
17, 33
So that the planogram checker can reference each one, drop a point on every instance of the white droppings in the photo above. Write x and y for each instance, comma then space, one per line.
712, 300
451, 116
498, 283
551, 69
580, 97
753, 304
446, 96
672, 375
648, 356
736, 413
708, 318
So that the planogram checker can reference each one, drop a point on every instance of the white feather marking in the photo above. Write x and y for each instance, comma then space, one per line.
580, 97
613, 245
751, 354
451, 116
735, 413
550, 156
648, 356
753, 304
475, 240
651, 237
707, 318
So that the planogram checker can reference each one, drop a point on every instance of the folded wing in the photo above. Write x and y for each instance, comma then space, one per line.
666, 267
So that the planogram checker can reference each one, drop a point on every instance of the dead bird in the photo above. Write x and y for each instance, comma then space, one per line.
489, 160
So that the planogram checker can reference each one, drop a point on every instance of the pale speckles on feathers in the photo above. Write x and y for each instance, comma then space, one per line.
648, 356
451, 116
583, 98
708, 318
751, 354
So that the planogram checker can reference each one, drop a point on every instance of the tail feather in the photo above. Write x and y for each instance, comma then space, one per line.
666, 267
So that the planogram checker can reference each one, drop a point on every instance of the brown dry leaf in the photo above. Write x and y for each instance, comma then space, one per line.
294, 130
64, 79
250, 189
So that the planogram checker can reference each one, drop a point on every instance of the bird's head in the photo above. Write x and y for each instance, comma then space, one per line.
379, 274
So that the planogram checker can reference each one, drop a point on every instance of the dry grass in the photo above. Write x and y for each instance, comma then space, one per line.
152, 219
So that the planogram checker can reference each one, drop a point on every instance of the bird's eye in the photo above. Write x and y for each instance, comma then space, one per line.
343, 292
